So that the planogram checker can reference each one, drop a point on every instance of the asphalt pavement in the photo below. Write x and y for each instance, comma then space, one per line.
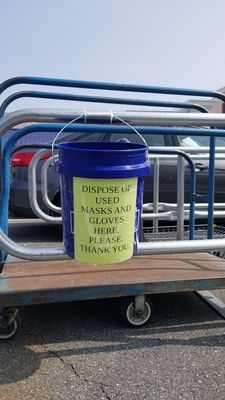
82, 351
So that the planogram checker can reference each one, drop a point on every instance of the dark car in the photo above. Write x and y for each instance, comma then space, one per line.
19, 200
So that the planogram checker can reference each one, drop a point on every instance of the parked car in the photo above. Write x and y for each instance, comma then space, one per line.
19, 200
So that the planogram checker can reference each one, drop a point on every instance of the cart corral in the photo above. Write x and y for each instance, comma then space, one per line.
168, 259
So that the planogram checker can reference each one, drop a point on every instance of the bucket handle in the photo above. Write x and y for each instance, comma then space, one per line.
65, 126
85, 117
130, 126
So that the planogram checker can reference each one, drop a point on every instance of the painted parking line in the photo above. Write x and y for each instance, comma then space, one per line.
213, 301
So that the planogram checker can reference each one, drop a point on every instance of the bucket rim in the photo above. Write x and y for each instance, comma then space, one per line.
102, 146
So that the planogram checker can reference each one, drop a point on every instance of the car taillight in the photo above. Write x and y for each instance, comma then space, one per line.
23, 159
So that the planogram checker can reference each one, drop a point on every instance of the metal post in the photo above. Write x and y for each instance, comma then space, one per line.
180, 197
156, 193
211, 185
32, 188
44, 184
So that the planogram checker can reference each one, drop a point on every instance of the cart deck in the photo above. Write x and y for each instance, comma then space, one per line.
25, 282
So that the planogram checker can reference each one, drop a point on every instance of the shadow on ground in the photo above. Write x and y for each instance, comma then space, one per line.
178, 319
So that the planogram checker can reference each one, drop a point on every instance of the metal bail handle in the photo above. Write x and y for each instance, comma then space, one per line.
130, 126
85, 120
59, 133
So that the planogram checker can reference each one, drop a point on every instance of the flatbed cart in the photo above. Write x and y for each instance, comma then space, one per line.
47, 275
29, 282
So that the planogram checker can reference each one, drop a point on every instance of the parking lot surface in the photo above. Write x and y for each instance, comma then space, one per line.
82, 351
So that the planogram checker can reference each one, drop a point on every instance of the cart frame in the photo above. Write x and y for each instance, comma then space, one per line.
33, 282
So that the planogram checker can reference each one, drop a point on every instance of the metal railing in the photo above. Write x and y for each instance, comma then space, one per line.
180, 190
171, 210
153, 123
44, 184
46, 81
32, 189
143, 247
97, 99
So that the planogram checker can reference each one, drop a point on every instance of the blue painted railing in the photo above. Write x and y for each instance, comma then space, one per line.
34, 80
98, 99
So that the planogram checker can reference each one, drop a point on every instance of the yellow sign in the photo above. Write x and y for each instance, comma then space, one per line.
104, 219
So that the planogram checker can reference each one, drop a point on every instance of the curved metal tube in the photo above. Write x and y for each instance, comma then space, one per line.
32, 187
31, 253
193, 156
38, 115
173, 206
115, 128
180, 200
97, 99
167, 215
161, 119
180, 246
183, 246
173, 215
36, 80
198, 150
44, 185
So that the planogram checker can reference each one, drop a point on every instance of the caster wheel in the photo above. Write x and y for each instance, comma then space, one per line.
7, 331
132, 318
220, 254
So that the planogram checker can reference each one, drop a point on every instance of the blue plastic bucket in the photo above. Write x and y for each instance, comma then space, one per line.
101, 189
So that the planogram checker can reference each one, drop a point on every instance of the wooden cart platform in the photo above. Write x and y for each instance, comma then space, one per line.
25, 282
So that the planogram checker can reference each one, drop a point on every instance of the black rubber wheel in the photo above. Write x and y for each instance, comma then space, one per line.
132, 319
220, 254
8, 331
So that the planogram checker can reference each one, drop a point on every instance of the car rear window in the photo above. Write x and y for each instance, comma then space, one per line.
152, 140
